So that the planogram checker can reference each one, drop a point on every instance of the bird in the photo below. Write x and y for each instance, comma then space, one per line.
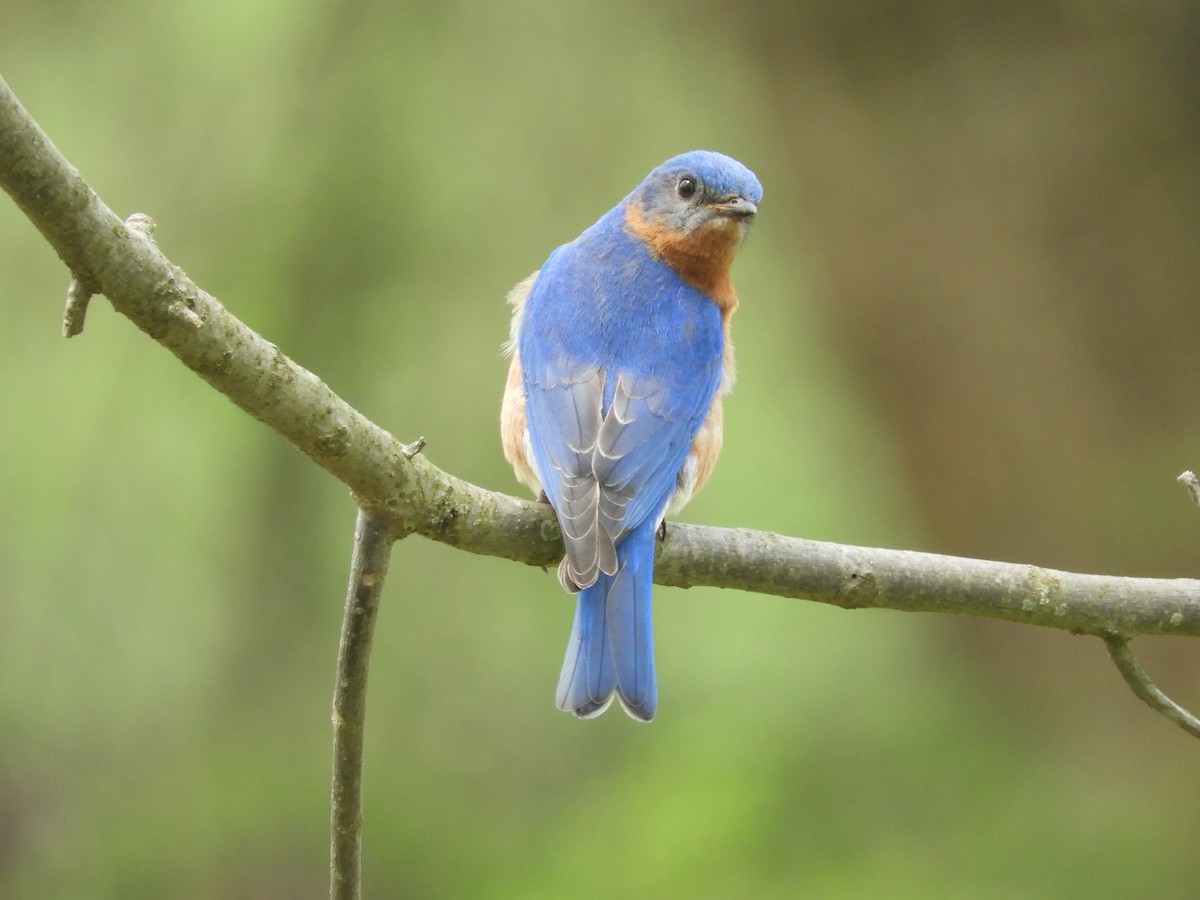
612, 411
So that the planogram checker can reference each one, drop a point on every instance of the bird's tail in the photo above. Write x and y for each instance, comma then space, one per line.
612, 643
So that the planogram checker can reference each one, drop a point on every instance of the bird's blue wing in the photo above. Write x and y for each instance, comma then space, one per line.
612, 403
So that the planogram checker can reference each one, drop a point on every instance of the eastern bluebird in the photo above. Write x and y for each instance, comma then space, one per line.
613, 407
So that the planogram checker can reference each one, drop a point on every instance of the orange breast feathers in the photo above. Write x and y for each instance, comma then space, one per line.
702, 257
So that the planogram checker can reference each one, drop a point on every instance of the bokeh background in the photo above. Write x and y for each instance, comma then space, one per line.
969, 325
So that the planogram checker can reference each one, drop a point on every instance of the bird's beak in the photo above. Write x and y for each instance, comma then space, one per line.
735, 207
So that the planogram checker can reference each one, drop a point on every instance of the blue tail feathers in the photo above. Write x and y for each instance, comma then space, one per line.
611, 649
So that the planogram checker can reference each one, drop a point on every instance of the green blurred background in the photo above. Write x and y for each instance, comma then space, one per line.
969, 325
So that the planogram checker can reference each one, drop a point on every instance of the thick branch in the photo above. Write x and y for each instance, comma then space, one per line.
416, 497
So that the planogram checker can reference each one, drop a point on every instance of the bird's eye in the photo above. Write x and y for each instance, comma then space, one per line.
686, 187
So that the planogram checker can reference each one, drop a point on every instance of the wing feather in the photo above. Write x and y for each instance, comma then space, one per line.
611, 468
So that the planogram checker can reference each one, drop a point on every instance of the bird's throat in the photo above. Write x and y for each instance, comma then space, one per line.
702, 257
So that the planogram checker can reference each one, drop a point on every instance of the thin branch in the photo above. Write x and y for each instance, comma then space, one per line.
75, 311
1139, 681
1189, 480
390, 480
368, 569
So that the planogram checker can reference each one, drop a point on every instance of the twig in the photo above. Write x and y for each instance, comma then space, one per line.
1139, 681
411, 450
1189, 480
368, 568
75, 311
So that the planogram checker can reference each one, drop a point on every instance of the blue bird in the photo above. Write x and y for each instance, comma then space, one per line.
613, 407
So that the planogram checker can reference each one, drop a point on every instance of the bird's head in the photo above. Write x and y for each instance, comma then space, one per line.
699, 191
693, 211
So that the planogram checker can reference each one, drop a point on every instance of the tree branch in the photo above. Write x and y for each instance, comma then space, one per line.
368, 569
906, 580
1140, 683
393, 482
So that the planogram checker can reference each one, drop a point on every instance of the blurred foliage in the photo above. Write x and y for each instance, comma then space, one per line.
968, 325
